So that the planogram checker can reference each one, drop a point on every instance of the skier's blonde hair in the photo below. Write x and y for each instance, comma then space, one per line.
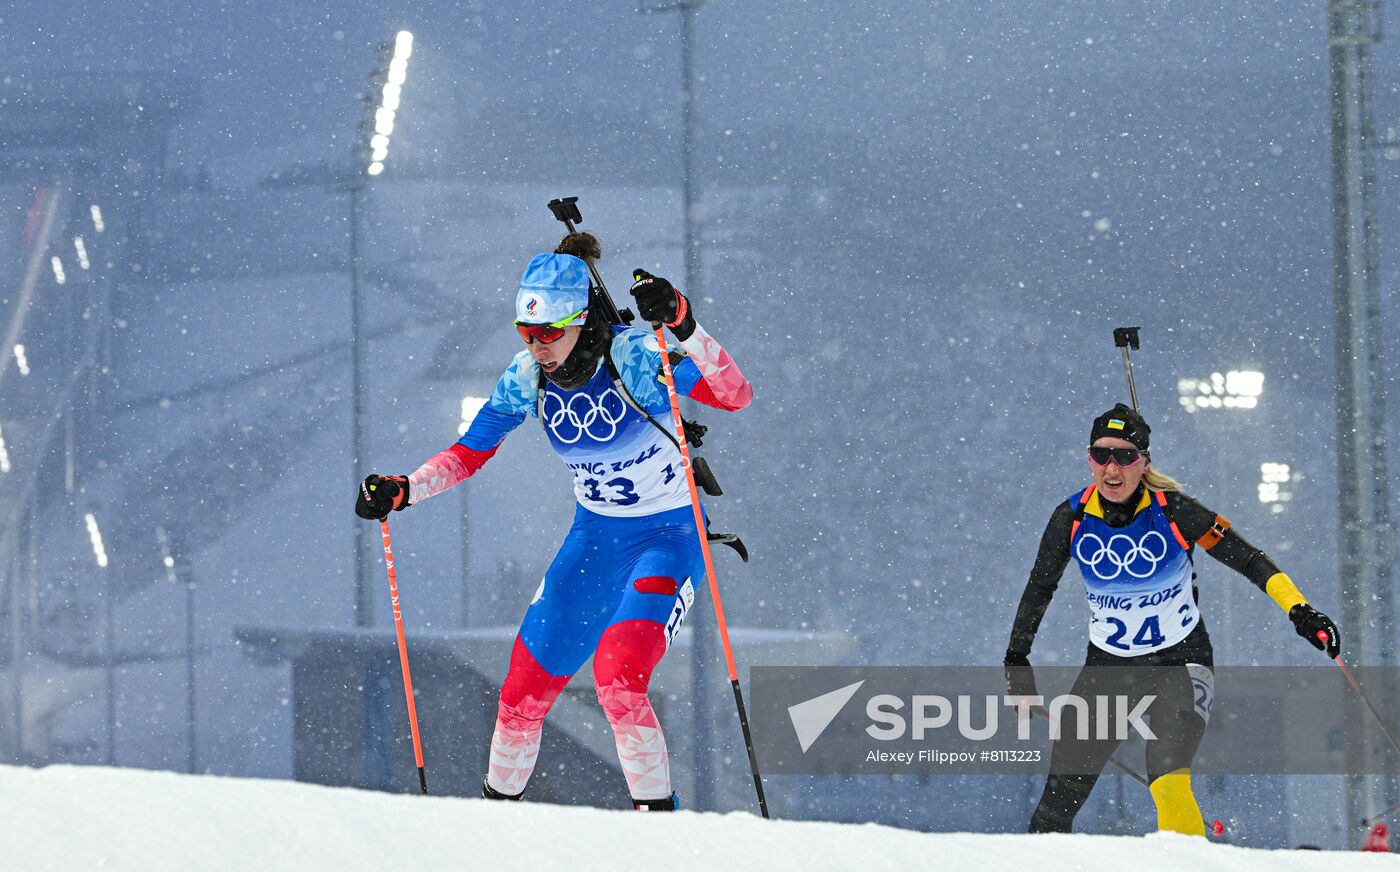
1157, 480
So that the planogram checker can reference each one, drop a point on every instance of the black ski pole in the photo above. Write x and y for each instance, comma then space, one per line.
1124, 337
1380, 816
1356, 686
1117, 764
566, 210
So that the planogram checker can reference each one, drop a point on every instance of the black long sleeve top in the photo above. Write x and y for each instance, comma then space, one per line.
1192, 518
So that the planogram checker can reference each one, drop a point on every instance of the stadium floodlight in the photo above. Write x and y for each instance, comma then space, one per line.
390, 96
4, 454
95, 534
21, 359
384, 121
167, 559
377, 130
1236, 389
470, 406
398, 72
81, 250
97, 222
392, 92
59, 275
1274, 485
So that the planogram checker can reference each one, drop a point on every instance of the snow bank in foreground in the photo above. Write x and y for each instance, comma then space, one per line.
67, 817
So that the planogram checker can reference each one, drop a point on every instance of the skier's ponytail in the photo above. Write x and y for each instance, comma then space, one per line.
1157, 480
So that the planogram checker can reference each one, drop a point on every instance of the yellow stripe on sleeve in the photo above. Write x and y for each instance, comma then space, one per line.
1284, 592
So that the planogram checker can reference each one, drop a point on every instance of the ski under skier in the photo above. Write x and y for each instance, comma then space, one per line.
1134, 533
621, 583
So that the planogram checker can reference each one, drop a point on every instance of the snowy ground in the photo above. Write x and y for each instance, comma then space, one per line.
67, 818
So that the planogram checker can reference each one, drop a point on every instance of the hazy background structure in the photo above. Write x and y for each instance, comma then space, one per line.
917, 225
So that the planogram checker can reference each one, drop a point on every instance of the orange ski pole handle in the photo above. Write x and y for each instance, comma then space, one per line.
403, 652
700, 531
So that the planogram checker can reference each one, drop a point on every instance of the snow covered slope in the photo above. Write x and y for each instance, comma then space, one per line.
66, 817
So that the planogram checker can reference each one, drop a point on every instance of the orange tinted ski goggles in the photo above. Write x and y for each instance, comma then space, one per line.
546, 333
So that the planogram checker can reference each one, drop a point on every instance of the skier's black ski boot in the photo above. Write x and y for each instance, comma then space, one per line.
670, 803
489, 792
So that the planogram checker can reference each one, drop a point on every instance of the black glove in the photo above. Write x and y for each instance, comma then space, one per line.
1309, 622
381, 494
1020, 677
659, 302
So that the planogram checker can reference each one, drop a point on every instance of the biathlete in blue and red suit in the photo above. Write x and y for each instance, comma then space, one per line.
1134, 535
625, 576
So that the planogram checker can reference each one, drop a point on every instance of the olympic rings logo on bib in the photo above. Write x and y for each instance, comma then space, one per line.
582, 415
1121, 554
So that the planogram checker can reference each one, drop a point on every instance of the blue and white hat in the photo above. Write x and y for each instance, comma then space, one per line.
553, 287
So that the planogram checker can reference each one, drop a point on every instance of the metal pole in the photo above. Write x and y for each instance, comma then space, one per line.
12, 578
703, 642
702, 646
110, 656
690, 222
1366, 541
364, 602
191, 734
175, 576
70, 411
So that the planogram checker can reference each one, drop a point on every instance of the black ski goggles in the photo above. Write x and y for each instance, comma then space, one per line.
1100, 455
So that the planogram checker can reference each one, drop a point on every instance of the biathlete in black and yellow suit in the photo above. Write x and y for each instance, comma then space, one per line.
1133, 533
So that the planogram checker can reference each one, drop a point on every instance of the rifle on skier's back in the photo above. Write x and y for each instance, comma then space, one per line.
565, 209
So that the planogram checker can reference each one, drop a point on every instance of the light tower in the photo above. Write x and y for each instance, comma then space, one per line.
371, 156
1366, 544
702, 646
